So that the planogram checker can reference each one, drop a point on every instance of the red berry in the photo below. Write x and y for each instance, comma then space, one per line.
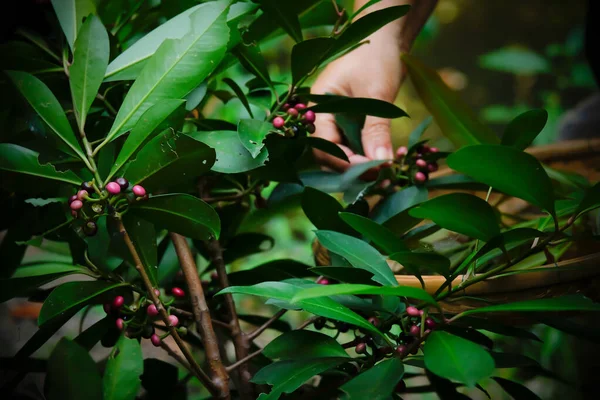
122, 182
107, 308
432, 167
402, 151
361, 348
139, 191
278, 122
72, 199
412, 311
421, 163
113, 188
323, 281
293, 112
155, 339
430, 323
310, 116
82, 194
177, 292
118, 302
415, 330
152, 311
300, 106
76, 205
173, 320
420, 177
214, 276
286, 106
310, 128
401, 350
120, 323
433, 149
374, 321
425, 149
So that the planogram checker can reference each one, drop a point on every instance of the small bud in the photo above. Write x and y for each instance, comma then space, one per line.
310, 128
323, 281
107, 308
421, 312
420, 177
278, 122
360, 348
113, 188
401, 350
157, 292
374, 321
402, 151
76, 205
173, 320
177, 292
120, 323
82, 194
74, 213
430, 323
90, 228
182, 331
118, 302
122, 182
412, 311
421, 163
415, 330
300, 106
293, 112
432, 167
155, 339
139, 191
151, 310
310, 116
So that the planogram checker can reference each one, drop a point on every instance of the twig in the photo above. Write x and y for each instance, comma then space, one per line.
176, 356
307, 323
243, 360
189, 315
195, 368
201, 314
254, 334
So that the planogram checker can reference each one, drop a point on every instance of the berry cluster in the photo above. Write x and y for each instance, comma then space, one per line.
137, 319
294, 119
416, 163
90, 202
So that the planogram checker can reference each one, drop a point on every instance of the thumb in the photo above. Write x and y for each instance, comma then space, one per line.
376, 139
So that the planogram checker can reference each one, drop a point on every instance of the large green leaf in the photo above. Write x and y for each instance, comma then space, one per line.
154, 120
333, 104
360, 254
522, 130
92, 335
43, 101
284, 14
378, 234
377, 383
90, 59
70, 15
123, 370
574, 302
335, 290
414, 261
253, 133
393, 211
20, 159
252, 59
240, 95
516, 390
322, 210
506, 169
231, 155
344, 274
456, 120
458, 359
590, 201
72, 374
287, 376
168, 160
277, 270
301, 344
143, 236
178, 66
307, 55
462, 213
181, 213
415, 135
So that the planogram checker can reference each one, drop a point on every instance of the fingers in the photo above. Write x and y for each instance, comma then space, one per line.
376, 138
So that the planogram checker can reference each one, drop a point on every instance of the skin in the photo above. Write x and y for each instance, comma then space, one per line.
379, 78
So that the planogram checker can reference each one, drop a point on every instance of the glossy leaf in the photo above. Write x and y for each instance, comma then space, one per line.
22, 160
375, 383
169, 160
417, 260
521, 174
344, 274
388, 212
70, 15
307, 55
277, 270
590, 201
92, 335
462, 213
252, 59
149, 124
455, 118
123, 370
240, 94
326, 146
258, 320
333, 104
359, 254
72, 374
143, 236
283, 13
335, 290
90, 59
497, 327
522, 130
252, 134
231, 155
322, 210
178, 66
516, 390
181, 213
574, 302
458, 359
299, 344
43, 101
508, 237
415, 135
73, 295
364, 7
378, 234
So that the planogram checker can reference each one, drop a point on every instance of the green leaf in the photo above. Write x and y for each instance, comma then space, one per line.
231, 155
415, 135
506, 169
143, 236
378, 234
516, 390
19, 159
574, 302
252, 59
326, 146
322, 210
462, 213
376, 383
335, 290
296, 345
508, 237
181, 213
149, 124
364, 7
43, 101
284, 14
332, 104
522, 130
72, 374
252, 134
258, 320
178, 66
344, 274
416, 261
92, 335
458, 359
70, 15
454, 117
287, 376
307, 55
239, 93
123, 370
359, 254
393, 212
514, 60
508, 360
73, 295
590, 201
90, 59
277, 270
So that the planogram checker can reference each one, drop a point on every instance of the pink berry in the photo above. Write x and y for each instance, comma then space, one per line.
323, 281
118, 302
425, 149
72, 199
309, 116
113, 188
402, 151
300, 106
155, 339
421, 312
152, 310
421, 163
433, 149
82, 194
74, 213
139, 191
278, 122
173, 320
432, 167
157, 292
430, 323
120, 323
177, 292
293, 112
286, 107
420, 177
374, 321
412, 311
401, 350
415, 330
76, 205
107, 308
361, 348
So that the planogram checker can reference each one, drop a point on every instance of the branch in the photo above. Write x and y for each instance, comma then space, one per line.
188, 315
252, 335
244, 360
194, 367
307, 323
201, 313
